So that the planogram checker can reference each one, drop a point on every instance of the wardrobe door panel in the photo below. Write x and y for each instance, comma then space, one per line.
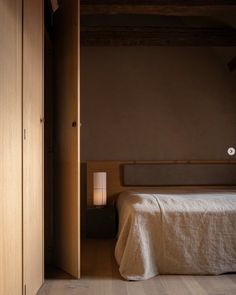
66, 189
33, 145
10, 147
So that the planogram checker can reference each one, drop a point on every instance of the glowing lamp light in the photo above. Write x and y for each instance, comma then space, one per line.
99, 188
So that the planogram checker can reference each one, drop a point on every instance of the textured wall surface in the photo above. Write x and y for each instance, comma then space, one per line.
156, 103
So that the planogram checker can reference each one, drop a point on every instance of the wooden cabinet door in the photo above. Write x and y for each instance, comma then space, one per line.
66, 130
33, 146
10, 147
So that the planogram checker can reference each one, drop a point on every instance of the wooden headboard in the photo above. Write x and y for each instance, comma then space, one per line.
116, 182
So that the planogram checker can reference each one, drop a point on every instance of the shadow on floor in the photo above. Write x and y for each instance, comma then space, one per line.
98, 260
52, 272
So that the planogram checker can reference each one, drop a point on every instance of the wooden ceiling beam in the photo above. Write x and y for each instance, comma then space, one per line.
156, 36
161, 2
157, 7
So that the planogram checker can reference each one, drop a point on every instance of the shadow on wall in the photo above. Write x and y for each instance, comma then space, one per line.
83, 194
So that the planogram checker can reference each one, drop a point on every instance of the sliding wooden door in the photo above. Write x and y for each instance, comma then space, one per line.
66, 130
10, 147
33, 146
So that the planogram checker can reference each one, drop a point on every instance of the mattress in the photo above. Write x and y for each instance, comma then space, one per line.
176, 231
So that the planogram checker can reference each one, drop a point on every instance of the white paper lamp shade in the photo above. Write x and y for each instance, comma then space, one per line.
99, 188
55, 5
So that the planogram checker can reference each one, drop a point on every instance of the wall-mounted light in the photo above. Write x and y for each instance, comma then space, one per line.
99, 188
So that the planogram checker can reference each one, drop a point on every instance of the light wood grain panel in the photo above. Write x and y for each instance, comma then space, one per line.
33, 145
114, 174
66, 180
100, 276
10, 147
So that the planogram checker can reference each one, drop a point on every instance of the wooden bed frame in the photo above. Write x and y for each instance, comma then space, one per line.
114, 171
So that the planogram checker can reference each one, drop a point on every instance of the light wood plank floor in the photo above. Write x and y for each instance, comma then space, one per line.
100, 276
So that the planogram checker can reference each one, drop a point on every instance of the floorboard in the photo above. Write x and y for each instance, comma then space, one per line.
100, 276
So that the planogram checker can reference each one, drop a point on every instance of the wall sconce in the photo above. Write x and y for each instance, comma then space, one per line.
99, 188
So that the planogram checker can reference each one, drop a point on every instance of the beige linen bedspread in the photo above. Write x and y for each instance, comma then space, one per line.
176, 232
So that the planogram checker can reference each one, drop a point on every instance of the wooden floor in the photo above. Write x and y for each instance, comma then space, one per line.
100, 276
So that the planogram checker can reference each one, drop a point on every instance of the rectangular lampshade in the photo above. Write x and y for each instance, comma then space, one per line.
99, 188
55, 5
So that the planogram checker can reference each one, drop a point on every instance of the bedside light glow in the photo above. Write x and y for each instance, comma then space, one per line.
99, 188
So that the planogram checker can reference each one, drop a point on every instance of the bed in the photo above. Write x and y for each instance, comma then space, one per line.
175, 217
176, 231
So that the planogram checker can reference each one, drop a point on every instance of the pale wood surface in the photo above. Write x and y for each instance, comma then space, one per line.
66, 177
10, 147
100, 276
33, 145
114, 174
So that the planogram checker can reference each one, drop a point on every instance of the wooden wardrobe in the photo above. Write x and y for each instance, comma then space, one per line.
21, 149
